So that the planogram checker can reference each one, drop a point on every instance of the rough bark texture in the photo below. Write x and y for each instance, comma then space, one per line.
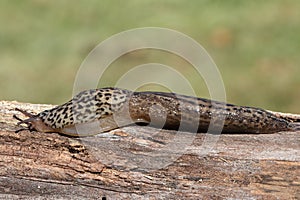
145, 163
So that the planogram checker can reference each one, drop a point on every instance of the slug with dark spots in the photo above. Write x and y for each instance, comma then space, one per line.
100, 110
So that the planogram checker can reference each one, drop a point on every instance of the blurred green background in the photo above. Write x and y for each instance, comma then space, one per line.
255, 44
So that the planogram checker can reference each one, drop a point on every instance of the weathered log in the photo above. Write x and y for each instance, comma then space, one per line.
139, 162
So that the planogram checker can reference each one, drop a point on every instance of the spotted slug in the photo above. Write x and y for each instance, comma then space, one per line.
100, 110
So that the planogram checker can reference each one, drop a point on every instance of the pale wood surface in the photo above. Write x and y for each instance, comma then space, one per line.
145, 163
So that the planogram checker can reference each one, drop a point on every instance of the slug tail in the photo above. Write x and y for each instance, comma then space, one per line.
294, 126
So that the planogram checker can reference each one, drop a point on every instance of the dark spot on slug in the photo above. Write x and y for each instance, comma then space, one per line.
247, 111
79, 106
230, 105
100, 109
259, 112
99, 104
88, 111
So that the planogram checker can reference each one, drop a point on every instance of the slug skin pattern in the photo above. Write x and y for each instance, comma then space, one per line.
111, 108
86, 106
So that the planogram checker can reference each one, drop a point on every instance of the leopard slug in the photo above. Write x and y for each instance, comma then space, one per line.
100, 110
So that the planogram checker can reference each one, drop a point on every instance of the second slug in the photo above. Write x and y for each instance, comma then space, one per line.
99, 110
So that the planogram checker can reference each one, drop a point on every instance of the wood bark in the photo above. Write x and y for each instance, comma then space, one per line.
141, 162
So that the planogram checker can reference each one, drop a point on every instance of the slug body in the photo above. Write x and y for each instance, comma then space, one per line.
99, 110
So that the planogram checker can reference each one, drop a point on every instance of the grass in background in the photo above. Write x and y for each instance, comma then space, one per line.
255, 44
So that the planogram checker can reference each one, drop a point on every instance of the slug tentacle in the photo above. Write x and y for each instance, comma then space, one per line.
27, 114
34, 122
99, 110
26, 121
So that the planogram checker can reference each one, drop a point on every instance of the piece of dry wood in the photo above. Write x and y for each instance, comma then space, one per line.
145, 163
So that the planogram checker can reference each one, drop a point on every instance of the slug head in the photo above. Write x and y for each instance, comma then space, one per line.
33, 123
